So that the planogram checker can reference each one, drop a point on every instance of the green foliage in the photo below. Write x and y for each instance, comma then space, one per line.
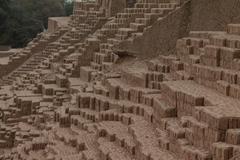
3, 10
21, 20
68, 5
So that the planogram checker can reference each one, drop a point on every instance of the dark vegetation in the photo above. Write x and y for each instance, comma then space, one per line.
21, 20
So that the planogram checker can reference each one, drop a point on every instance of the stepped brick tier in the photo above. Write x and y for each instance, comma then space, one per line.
70, 95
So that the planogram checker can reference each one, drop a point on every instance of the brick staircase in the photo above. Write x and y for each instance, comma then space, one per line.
54, 47
132, 21
86, 19
173, 107
29, 54
204, 68
189, 110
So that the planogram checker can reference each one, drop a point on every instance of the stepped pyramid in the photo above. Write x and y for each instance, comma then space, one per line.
74, 95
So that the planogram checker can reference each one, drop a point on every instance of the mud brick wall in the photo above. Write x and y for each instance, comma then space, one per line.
5, 69
133, 80
52, 25
161, 38
214, 14
194, 15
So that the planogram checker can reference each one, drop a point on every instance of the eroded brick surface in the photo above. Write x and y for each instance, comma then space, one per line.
75, 98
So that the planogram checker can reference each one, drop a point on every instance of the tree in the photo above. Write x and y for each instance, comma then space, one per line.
4, 11
21, 20
68, 5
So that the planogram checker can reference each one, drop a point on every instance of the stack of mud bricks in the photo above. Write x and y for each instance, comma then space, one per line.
99, 58
39, 45
211, 56
123, 33
92, 45
200, 134
220, 56
85, 73
221, 51
224, 50
234, 41
39, 144
109, 116
63, 118
76, 120
158, 67
105, 47
101, 90
233, 136
83, 101
99, 104
15, 61
229, 85
183, 101
227, 56
172, 61
153, 80
184, 49
113, 88
162, 109
61, 81
206, 75
234, 29
7, 137
124, 93
50, 81
216, 130
48, 91
148, 99
24, 105
134, 80
223, 87
222, 80
215, 120
222, 151
135, 95
94, 103
215, 54
234, 91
